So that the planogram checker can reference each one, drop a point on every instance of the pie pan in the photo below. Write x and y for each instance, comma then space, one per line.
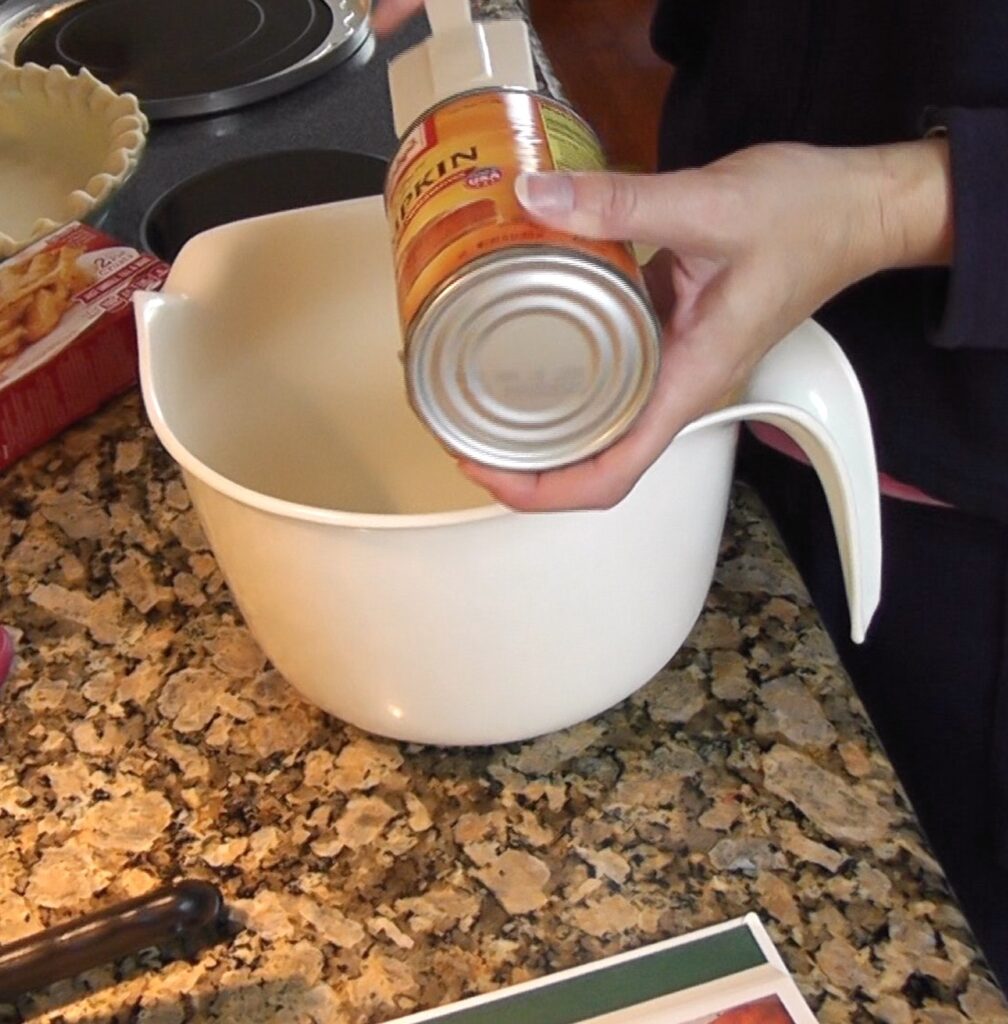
67, 142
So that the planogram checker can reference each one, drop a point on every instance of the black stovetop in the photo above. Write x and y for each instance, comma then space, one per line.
345, 108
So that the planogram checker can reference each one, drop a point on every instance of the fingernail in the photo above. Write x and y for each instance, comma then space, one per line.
545, 193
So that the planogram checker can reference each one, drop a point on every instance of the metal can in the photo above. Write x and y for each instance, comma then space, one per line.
524, 347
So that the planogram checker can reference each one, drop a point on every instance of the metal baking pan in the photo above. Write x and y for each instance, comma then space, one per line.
186, 58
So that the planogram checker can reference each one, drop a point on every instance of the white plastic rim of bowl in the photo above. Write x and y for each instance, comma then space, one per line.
804, 386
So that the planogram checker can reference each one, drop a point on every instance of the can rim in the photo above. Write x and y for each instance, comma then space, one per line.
536, 461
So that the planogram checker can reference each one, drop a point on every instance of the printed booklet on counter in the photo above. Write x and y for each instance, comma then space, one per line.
728, 974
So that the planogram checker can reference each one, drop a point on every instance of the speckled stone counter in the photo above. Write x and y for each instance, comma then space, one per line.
143, 738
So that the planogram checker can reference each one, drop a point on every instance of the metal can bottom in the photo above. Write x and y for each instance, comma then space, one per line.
532, 358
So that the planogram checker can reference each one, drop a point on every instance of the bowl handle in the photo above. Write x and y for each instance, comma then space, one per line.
805, 387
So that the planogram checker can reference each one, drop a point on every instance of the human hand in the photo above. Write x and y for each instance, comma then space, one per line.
751, 246
390, 14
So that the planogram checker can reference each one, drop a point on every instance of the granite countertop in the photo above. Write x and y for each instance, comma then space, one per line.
144, 738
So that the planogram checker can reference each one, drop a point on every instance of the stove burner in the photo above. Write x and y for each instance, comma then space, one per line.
185, 57
265, 183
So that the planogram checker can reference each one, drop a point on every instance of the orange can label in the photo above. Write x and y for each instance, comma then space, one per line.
450, 189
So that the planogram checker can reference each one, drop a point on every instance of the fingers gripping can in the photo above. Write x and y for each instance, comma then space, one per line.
524, 348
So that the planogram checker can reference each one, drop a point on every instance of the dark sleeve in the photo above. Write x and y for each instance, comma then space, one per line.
680, 30
975, 309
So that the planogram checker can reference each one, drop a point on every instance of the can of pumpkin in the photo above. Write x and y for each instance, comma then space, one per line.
524, 347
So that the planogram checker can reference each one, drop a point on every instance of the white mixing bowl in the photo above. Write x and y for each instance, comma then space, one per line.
380, 582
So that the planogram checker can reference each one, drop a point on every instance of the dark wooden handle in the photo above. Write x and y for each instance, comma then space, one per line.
176, 912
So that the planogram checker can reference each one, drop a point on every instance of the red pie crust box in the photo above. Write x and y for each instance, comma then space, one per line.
67, 334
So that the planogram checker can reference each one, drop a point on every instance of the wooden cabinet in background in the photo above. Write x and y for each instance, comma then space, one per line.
601, 54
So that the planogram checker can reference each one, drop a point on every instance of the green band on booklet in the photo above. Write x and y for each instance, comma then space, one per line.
621, 985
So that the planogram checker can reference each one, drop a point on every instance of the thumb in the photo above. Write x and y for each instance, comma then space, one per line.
390, 14
657, 208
